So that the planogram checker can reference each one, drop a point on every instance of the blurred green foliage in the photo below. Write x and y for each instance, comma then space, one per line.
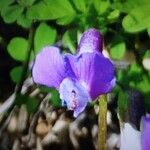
125, 25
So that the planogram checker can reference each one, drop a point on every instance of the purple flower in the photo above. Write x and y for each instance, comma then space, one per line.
78, 78
146, 134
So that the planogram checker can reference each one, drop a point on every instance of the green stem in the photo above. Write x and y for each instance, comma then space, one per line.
26, 63
102, 122
10, 103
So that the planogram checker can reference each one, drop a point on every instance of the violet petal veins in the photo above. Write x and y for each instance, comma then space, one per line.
49, 67
78, 78
95, 70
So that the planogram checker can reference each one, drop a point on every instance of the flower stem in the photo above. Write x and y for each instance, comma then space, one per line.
102, 122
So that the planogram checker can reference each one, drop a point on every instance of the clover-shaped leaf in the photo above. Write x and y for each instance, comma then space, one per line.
48, 35
17, 48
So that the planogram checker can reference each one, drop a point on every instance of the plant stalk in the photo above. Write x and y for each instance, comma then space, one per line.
27, 60
102, 122
10, 102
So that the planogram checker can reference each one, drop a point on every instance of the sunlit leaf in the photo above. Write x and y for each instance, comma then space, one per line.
65, 20
128, 5
44, 35
118, 48
17, 48
11, 13
148, 30
80, 5
101, 6
48, 10
69, 40
138, 19
144, 85
113, 15
24, 21
135, 68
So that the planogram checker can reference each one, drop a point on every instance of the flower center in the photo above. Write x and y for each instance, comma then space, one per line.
74, 94
74, 101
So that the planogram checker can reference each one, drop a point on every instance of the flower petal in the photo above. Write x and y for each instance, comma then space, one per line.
130, 138
95, 70
146, 134
74, 94
91, 41
49, 67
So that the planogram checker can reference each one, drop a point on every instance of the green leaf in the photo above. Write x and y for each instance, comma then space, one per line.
39, 11
48, 10
128, 5
44, 35
11, 13
5, 3
60, 9
148, 30
44, 89
15, 74
69, 40
101, 6
30, 102
135, 68
65, 20
80, 5
138, 79
147, 54
55, 98
118, 48
122, 104
17, 48
113, 15
143, 85
28, 2
24, 21
137, 20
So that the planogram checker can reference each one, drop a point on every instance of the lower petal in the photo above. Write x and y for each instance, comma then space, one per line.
74, 94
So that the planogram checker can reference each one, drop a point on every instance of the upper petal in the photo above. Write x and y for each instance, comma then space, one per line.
146, 134
95, 70
49, 67
91, 41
